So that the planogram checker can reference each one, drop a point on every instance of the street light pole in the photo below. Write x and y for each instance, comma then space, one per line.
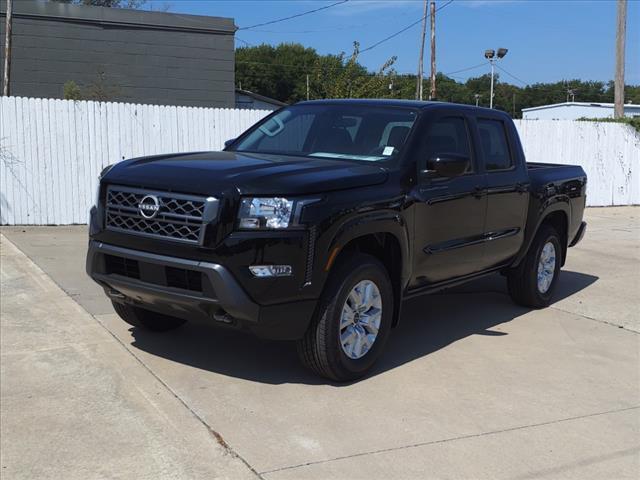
491, 94
493, 57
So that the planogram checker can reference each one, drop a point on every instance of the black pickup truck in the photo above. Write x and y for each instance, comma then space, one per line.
316, 223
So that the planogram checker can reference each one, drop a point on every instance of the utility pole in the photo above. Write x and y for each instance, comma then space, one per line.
621, 33
7, 51
432, 91
307, 86
421, 59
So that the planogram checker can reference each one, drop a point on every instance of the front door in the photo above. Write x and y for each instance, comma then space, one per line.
449, 212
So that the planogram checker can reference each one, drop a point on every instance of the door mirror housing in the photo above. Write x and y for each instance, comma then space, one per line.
447, 165
229, 142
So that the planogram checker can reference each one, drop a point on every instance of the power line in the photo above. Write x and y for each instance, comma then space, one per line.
333, 29
244, 41
294, 16
465, 69
404, 29
512, 76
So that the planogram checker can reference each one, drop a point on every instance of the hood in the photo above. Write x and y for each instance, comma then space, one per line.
208, 173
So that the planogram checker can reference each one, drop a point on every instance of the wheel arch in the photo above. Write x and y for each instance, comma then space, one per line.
557, 215
385, 238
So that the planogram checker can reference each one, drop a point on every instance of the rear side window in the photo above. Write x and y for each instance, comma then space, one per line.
448, 135
495, 148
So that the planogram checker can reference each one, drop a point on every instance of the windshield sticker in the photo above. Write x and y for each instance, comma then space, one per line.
388, 150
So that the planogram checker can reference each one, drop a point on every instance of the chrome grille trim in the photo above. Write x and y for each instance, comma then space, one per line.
181, 218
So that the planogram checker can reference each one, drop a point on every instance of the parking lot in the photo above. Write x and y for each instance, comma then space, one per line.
471, 385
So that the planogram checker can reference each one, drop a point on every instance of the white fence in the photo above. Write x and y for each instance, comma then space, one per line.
51, 151
608, 152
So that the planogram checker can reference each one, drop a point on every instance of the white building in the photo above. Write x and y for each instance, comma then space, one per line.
575, 110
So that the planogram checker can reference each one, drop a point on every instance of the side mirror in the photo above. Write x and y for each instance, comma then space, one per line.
229, 142
447, 165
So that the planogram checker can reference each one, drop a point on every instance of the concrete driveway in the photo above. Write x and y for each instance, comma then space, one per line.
471, 386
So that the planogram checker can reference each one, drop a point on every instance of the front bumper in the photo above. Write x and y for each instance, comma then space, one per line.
218, 298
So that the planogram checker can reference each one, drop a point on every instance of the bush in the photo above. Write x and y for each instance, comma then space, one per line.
71, 91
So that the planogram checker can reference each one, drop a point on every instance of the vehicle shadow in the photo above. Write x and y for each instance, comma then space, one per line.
428, 324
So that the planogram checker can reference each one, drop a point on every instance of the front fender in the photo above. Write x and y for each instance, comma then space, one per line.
370, 223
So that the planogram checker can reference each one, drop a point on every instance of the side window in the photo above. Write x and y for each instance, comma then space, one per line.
497, 155
448, 135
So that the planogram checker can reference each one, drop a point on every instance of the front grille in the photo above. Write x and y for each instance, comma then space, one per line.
121, 266
183, 278
179, 217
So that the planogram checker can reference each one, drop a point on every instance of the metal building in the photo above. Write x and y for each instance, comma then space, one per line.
576, 110
120, 55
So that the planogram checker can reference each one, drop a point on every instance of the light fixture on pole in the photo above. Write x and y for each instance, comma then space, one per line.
493, 57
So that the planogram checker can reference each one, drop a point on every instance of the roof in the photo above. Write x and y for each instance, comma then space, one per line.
579, 104
262, 98
372, 101
120, 17
392, 102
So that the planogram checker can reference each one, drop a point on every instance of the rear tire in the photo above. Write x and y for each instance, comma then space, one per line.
139, 317
352, 321
533, 283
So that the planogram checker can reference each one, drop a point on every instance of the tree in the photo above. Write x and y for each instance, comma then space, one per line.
277, 72
281, 72
346, 78
71, 91
106, 3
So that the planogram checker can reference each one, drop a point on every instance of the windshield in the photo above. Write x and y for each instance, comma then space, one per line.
356, 132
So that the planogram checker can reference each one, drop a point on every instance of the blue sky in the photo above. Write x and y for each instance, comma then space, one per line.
547, 40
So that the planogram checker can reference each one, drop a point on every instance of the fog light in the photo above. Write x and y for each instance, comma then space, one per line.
271, 270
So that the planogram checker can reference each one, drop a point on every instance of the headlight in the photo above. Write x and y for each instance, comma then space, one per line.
97, 194
104, 171
256, 213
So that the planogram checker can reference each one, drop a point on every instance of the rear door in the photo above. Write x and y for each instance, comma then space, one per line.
449, 212
507, 188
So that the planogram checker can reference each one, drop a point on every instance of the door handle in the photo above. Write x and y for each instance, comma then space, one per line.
477, 192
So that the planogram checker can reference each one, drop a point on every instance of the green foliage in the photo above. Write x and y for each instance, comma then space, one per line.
100, 89
277, 72
71, 91
280, 72
106, 3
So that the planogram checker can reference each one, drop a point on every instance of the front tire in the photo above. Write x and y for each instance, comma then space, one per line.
139, 317
533, 283
352, 321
